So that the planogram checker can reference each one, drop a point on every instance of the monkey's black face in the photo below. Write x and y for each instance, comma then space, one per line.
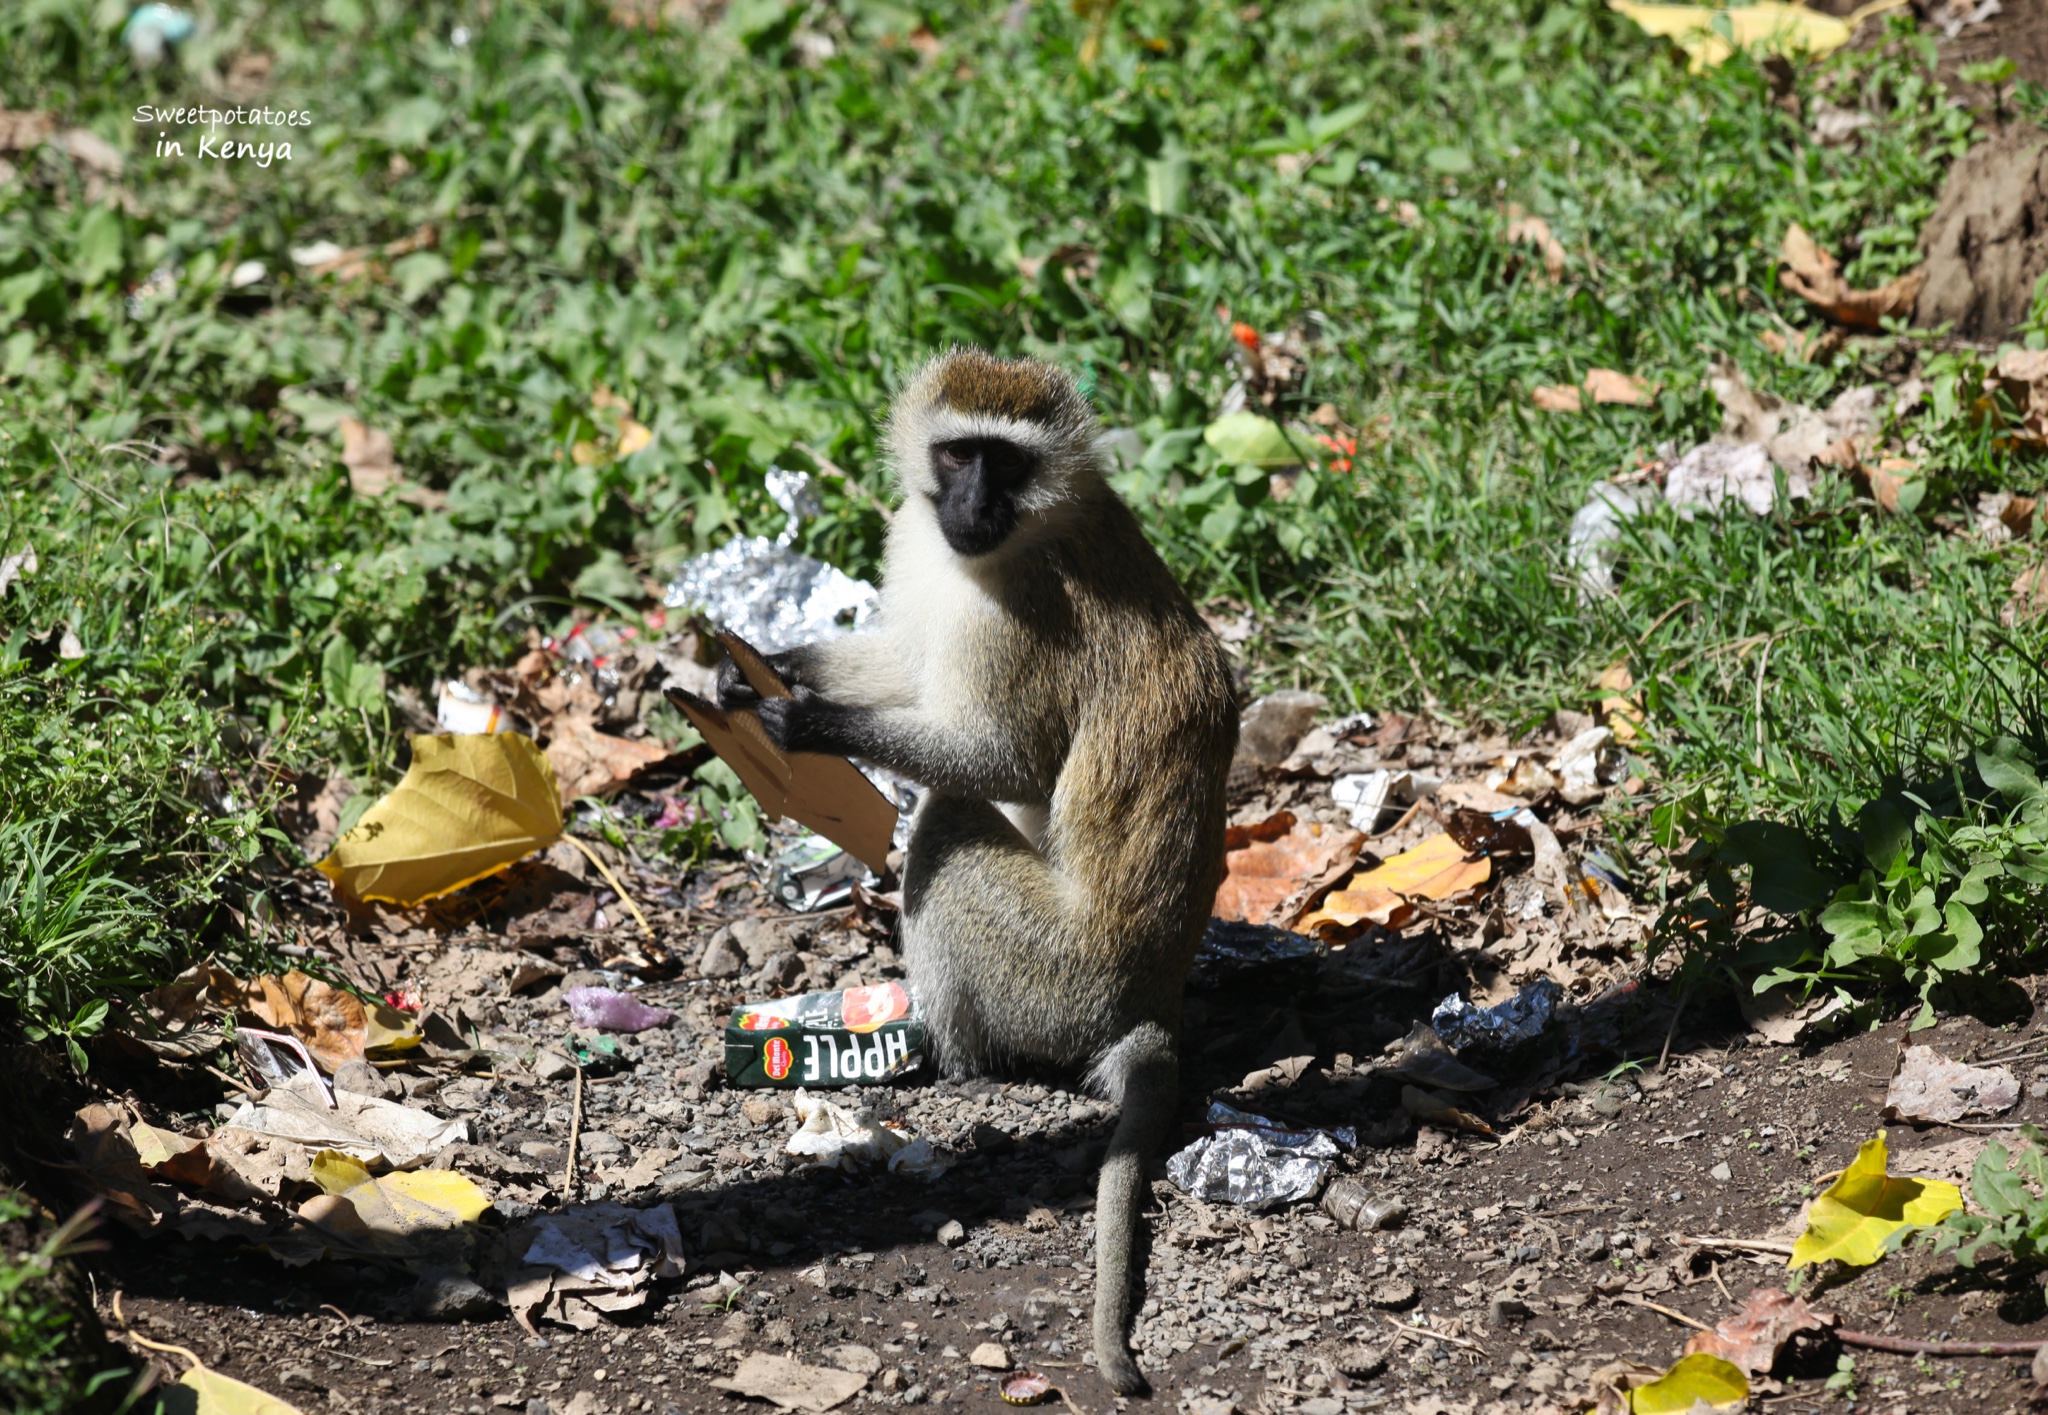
979, 478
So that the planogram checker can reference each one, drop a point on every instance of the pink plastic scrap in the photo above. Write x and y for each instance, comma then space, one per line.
611, 1011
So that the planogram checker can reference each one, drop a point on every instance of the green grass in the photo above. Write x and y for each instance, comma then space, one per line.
751, 240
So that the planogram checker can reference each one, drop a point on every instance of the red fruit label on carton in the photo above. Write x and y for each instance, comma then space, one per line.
776, 1058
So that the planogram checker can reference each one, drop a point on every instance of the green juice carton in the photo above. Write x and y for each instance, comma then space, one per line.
858, 1037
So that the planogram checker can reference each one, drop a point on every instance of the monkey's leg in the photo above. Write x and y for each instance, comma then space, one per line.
1141, 1074
1007, 967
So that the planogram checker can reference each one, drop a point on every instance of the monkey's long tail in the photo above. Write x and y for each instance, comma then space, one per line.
1142, 1073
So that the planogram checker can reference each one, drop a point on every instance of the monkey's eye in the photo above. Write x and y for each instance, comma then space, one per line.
952, 456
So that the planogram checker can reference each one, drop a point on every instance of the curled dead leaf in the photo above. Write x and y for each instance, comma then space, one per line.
1753, 1337
1436, 869
1556, 398
1612, 386
2029, 596
368, 454
1527, 230
1278, 862
1814, 275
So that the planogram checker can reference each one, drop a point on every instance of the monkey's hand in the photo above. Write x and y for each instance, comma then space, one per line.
734, 691
806, 721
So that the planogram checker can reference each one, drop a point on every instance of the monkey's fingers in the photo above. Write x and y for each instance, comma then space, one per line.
733, 689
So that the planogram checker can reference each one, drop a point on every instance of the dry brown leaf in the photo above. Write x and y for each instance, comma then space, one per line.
369, 456
111, 1164
1269, 863
1754, 1336
1813, 274
22, 129
1435, 869
1405, 212
1527, 230
2023, 376
2018, 515
1929, 1086
2029, 596
336, 1026
1888, 478
1620, 711
1611, 386
588, 762
1556, 398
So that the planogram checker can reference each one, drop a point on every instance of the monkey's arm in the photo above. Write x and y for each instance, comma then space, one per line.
909, 740
857, 669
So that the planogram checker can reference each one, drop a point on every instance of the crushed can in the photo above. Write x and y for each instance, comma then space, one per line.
861, 1036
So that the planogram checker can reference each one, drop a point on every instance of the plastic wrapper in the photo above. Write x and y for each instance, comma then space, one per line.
813, 873
766, 591
1233, 952
856, 1037
609, 1010
833, 1136
1252, 1162
461, 708
1503, 1027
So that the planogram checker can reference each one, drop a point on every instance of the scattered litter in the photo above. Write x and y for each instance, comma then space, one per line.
1279, 868
1354, 1206
335, 1026
462, 709
374, 1131
153, 30
1026, 1388
1503, 1027
1435, 1108
768, 593
1437, 869
1588, 764
21, 564
792, 1385
1234, 953
1852, 1221
831, 1136
1273, 725
1930, 1087
812, 873
1715, 473
1753, 1337
1593, 545
1423, 1058
591, 1261
612, 1011
1710, 35
1251, 1161
858, 1036
1373, 797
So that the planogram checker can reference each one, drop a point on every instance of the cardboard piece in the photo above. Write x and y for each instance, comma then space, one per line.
827, 794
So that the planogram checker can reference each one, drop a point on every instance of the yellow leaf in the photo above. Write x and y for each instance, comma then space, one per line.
1435, 869
414, 1214
337, 1173
1860, 1210
1771, 27
469, 806
1696, 1379
224, 1395
633, 436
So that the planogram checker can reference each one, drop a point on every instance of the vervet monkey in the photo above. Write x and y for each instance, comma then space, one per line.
1037, 668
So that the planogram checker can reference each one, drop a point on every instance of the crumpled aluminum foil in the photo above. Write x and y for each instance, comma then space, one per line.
1504, 1026
1233, 951
773, 596
1254, 1162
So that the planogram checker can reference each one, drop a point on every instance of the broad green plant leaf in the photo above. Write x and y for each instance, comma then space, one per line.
1696, 1379
1248, 440
1784, 878
1851, 1222
469, 806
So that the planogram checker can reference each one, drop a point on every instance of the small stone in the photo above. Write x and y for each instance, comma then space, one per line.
990, 1356
762, 1110
860, 1360
781, 971
991, 1140
300, 1378
1393, 1293
602, 1143
916, 1395
1505, 1309
1212, 1405
553, 1066
952, 1233
1322, 1405
1591, 1247
1721, 1172
721, 958
450, 1297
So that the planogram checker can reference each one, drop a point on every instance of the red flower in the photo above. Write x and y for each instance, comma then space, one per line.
1345, 448
1246, 335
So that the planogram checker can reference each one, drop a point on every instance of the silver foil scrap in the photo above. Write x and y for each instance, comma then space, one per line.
1255, 1163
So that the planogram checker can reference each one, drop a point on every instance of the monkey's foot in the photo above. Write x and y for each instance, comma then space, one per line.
1120, 1369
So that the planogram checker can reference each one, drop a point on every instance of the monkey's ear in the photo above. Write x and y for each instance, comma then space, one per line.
753, 667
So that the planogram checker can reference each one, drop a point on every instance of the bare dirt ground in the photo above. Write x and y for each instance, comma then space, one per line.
1527, 1259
